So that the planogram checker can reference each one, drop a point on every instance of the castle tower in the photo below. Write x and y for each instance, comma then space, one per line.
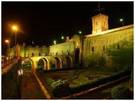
99, 23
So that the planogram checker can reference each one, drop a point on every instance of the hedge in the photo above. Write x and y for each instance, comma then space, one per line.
61, 91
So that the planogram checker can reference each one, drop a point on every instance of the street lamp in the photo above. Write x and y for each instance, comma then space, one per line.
62, 37
7, 41
122, 21
8, 44
80, 32
15, 30
54, 42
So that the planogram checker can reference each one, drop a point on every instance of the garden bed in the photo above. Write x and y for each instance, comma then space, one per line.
60, 81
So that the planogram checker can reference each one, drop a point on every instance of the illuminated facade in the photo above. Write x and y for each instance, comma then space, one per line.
80, 50
99, 23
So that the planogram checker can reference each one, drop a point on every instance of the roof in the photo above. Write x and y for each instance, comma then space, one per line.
109, 31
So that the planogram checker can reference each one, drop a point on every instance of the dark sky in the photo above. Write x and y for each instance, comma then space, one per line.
42, 22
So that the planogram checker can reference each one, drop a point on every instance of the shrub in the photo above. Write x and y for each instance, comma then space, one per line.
92, 60
49, 80
123, 57
61, 90
101, 61
121, 92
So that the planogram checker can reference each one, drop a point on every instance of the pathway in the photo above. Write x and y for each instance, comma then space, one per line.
30, 88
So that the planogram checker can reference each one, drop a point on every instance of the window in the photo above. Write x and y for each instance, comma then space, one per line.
103, 48
118, 46
92, 49
32, 54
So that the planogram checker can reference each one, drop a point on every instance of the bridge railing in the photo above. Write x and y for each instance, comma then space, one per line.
8, 66
10, 81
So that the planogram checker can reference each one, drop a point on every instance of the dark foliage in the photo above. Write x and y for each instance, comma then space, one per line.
121, 92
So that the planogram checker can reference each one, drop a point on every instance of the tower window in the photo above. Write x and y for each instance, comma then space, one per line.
118, 46
92, 49
32, 54
103, 48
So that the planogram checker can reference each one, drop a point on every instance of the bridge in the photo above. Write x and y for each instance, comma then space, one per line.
49, 62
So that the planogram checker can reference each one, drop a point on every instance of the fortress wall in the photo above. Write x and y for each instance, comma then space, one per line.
12, 52
36, 51
95, 46
29, 50
62, 49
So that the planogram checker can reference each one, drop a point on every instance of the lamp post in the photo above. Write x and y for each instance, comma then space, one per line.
8, 46
62, 37
82, 45
15, 30
54, 42
122, 21
80, 32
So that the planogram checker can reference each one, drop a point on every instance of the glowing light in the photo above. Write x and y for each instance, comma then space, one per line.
54, 42
80, 32
15, 28
7, 58
7, 41
62, 37
121, 20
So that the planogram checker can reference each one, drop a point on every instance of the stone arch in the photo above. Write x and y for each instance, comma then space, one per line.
41, 64
58, 62
31, 62
46, 64
49, 62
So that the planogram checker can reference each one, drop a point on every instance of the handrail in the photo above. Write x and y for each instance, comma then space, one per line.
7, 68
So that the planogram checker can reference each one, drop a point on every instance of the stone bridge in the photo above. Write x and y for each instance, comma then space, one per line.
49, 62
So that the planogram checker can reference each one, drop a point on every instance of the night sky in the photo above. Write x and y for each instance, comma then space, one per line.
42, 22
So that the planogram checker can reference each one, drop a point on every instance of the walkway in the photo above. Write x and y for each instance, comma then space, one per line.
30, 88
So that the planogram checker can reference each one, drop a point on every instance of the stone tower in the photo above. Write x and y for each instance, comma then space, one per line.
99, 23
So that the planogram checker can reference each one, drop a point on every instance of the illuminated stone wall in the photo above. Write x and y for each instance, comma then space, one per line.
96, 45
67, 48
62, 49
29, 51
99, 23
